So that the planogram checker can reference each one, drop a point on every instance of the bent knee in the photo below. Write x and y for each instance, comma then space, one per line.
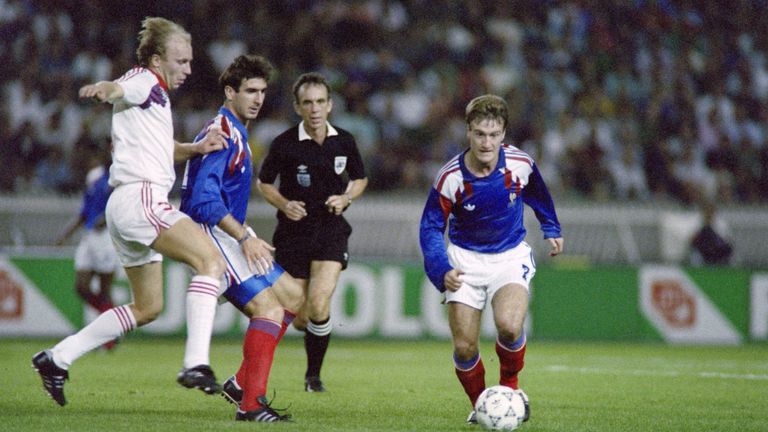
212, 265
510, 332
147, 313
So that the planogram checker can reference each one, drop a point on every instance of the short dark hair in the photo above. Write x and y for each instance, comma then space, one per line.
487, 107
315, 78
245, 67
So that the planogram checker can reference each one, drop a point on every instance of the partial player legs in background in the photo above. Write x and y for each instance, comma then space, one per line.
316, 340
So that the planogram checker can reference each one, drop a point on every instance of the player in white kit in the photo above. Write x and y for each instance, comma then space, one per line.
144, 227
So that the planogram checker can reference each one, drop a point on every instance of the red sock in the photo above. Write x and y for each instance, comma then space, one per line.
510, 363
288, 318
103, 303
472, 379
258, 353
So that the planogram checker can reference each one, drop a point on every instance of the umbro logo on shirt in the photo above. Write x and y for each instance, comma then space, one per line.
469, 207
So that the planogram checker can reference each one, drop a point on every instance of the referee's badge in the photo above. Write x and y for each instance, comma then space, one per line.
339, 163
302, 177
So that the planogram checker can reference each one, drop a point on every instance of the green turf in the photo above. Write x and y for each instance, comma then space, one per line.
400, 386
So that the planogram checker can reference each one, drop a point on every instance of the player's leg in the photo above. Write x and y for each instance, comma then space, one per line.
104, 296
147, 290
107, 264
291, 293
86, 262
464, 321
261, 337
509, 299
301, 319
186, 242
324, 276
255, 299
510, 306
146, 286
83, 287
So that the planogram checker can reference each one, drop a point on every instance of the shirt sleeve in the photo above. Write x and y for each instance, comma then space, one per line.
137, 87
536, 195
431, 239
355, 168
206, 203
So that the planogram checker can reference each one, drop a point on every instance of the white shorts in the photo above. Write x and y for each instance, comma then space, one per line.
238, 269
95, 253
136, 212
485, 273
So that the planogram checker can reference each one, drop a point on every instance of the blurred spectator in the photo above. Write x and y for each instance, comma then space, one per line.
709, 246
606, 93
53, 174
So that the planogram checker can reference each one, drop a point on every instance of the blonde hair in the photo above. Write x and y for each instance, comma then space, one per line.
487, 107
154, 36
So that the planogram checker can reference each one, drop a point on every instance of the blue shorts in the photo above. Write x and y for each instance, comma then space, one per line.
239, 294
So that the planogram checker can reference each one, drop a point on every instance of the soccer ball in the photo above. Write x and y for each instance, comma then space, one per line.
500, 408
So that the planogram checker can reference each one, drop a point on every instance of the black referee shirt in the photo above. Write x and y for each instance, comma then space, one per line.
311, 172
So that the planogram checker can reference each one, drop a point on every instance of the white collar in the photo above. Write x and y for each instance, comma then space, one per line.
303, 135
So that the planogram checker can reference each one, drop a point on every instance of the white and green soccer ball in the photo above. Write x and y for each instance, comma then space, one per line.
500, 408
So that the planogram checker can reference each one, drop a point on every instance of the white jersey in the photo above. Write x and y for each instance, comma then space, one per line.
142, 131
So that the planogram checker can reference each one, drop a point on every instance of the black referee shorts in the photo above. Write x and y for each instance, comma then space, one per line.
298, 244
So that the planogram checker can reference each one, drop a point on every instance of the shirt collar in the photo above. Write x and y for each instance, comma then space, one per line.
159, 78
235, 121
303, 135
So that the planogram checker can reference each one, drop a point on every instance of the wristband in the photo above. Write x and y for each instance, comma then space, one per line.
245, 237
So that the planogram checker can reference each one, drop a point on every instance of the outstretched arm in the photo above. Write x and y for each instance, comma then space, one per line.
102, 91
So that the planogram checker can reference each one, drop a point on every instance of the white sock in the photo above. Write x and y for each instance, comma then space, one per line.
108, 326
202, 297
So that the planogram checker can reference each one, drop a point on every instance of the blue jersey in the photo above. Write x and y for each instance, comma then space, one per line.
219, 183
95, 201
483, 214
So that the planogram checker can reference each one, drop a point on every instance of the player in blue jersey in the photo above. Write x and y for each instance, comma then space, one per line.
215, 194
95, 257
479, 196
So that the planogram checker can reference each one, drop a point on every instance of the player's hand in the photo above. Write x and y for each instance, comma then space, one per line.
557, 246
258, 253
453, 279
337, 203
295, 210
214, 140
93, 91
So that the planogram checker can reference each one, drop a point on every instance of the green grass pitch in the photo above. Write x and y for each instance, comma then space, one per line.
399, 386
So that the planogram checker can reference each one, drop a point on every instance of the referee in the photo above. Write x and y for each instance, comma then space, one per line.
321, 173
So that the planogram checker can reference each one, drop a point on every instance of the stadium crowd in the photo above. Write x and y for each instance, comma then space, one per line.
631, 100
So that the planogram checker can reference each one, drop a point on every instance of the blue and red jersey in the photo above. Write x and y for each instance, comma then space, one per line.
219, 183
483, 214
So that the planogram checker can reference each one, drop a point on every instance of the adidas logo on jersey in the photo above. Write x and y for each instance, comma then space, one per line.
469, 207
